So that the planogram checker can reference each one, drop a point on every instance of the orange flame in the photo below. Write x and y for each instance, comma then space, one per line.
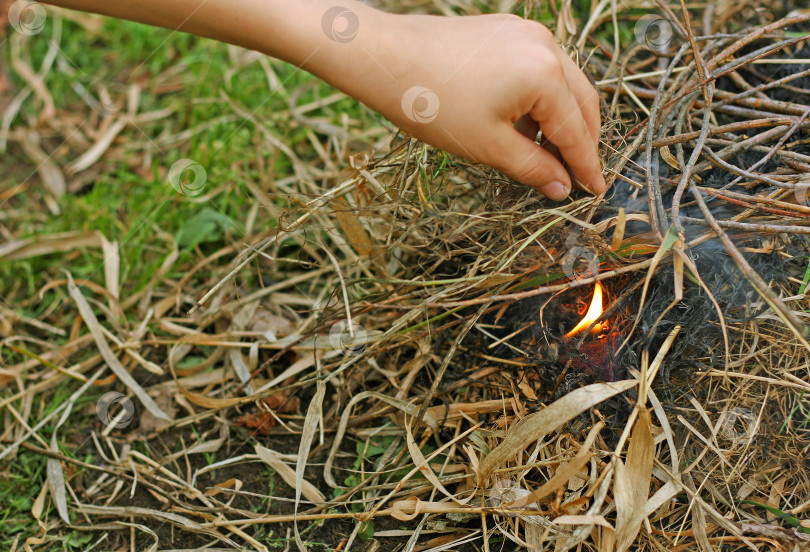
594, 312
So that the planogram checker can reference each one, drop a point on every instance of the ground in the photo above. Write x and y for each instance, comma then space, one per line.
140, 167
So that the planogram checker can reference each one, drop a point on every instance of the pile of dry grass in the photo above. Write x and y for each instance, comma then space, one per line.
425, 284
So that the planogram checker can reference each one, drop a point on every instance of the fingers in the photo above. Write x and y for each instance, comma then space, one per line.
586, 95
567, 125
561, 119
526, 161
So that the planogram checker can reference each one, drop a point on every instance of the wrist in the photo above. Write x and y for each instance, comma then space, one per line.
371, 55
380, 64
356, 49
324, 37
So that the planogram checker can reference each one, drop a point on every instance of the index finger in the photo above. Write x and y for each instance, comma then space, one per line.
558, 113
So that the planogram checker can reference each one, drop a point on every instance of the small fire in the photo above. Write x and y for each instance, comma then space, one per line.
594, 312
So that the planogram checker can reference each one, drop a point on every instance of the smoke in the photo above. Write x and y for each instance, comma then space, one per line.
775, 257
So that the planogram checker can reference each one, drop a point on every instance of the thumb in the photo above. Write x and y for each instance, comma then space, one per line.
527, 162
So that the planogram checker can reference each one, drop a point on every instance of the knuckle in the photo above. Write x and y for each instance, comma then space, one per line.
527, 29
516, 171
544, 32
595, 107
533, 28
523, 174
593, 103
540, 70
524, 168
504, 161
510, 18
592, 113
497, 155
568, 142
546, 61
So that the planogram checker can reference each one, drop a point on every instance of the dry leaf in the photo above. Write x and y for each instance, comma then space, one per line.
534, 426
353, 228
231, 483
424, 467
104, 348
56, 481
241, 369
112, 263
273, 459
49, 172
46, 244
149, 423
569, 470
313, 417
632, 483
582, 520
405, 406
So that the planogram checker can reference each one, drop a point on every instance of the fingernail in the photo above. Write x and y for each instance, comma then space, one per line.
555, 190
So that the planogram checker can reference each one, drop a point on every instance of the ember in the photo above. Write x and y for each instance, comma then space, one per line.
599, 358
598, 354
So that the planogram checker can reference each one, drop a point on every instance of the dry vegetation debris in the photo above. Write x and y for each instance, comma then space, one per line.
395, 348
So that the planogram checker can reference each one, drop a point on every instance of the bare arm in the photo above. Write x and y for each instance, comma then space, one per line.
459, 83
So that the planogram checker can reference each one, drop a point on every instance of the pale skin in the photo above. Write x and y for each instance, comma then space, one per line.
494, 79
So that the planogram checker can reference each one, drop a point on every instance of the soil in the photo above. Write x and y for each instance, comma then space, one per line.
257, 485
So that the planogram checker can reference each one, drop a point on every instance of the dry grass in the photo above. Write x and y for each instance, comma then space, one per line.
412, 347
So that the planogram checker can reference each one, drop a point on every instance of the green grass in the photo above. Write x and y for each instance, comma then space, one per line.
133, 204
138, 208
17, 495
128, 205
800, 409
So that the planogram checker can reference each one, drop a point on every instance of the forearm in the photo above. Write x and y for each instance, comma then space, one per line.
459, 83
316, 35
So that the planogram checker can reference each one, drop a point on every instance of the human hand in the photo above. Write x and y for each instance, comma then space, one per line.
480, 87
476, 86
